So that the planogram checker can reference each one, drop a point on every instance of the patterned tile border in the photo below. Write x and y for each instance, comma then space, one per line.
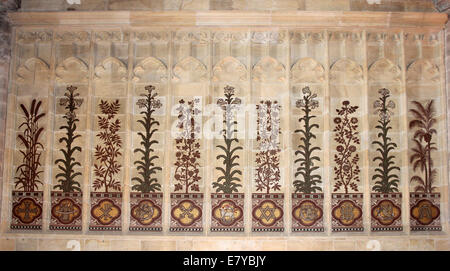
386, 212
186, 213
66, 211
27, 208
425, 211
146, 211
227, 212
106, 211
347, 212
267, 212
307, 212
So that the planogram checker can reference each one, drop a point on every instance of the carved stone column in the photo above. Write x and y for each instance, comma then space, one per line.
5, 54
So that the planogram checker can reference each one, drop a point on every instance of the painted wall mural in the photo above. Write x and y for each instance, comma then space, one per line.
146, 203
307, 198
67, 194
27, 196
215, 131
267, 205
227, 203
186, 202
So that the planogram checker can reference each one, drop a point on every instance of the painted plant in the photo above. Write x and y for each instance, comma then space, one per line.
106, 154
346, 135
424, 121
267, 159
28, 171
387, 179
309, 181
146, 165
66, 165
229, 181
187, 167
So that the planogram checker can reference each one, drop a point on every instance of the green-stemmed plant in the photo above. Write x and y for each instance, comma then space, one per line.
310, 181
387, 180
28, 173
146, 166
228, 182
66, 178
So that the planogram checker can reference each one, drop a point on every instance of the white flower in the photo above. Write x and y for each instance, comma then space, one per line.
306, 91
391, 105
377, 104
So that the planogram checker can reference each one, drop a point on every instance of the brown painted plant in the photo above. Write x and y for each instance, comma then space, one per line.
107, 166
28, 172
187, 167
346, 135
424, 120
267, 159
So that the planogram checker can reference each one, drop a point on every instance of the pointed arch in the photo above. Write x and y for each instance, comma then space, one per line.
422, 71
150, 69
190, 69
111, 70
269, 69
383, 70
307, 70
346, 71
72, 70
229, 69
34, 71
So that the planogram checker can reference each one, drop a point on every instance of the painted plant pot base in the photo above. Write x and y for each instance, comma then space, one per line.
307, 212
146, 211
227, 212
267, 212
106, 211
425, 214
66, 211
186, 213
27, 210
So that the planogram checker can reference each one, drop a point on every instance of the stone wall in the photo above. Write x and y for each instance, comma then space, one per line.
159, 5
55, 54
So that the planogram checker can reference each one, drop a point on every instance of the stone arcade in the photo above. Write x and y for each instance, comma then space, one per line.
343, 142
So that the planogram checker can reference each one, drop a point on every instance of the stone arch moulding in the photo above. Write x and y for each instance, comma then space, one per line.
33, 72
383, 70
111, 70
346, 71
422, 71
189, 70
229, 69
269, 70
72, 70
150, 69
307, 70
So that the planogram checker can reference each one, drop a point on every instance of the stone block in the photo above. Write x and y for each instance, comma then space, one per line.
421, 244
87, 5
159, 245
42, 5
335, 5
125, 245
26, 244
382, 5
60, 245
136, 5
97, 245
309, 245
7, 244
344, 245
443, 245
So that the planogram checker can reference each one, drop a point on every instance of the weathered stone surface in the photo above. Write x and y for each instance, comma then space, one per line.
311, 5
